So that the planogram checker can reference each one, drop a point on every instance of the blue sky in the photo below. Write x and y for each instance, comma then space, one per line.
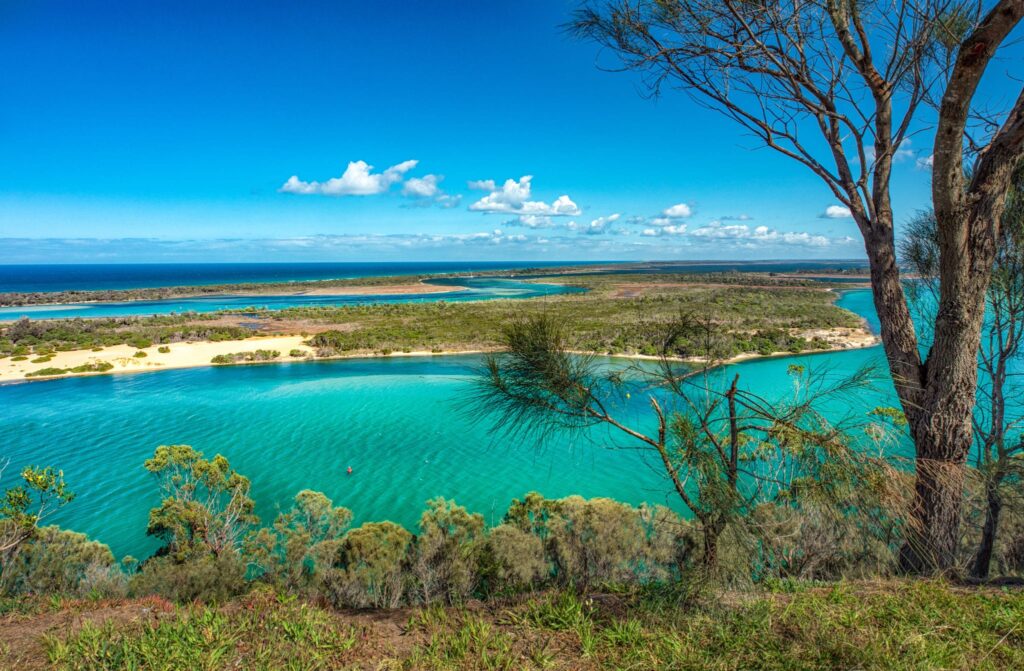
163, 131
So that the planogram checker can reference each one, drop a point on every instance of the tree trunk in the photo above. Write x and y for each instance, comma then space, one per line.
933, 528
711, 533
983, 559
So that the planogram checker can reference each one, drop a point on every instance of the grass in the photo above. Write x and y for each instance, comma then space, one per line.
259, 634
900, 625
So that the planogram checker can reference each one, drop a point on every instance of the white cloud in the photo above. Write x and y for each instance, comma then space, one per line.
836, 212
671, 229
422, 187
737, 217
903, 152
678, 211
482, 185
925, 162
514, 198
357, 180
597, 226
531, 221
425, 191
762, 235
448, 201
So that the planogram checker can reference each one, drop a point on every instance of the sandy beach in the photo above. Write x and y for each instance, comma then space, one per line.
124, 359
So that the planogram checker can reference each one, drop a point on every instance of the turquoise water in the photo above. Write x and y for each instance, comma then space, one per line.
399, 423
473, 289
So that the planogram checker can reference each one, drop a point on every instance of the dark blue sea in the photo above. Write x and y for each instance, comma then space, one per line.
63, 277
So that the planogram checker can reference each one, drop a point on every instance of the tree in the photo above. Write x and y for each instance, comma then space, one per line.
206, 508
301, 541
999, 443
725, 452
23, 507
840, 86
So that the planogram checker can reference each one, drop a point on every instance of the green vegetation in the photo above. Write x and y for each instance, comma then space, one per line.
247, 357
96, 367
885, 625
614, 317
27, 336
757, 320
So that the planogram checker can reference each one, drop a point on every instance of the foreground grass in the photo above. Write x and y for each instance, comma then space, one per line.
885, 625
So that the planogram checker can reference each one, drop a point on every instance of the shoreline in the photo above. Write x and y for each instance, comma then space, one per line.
411, 288
123, 359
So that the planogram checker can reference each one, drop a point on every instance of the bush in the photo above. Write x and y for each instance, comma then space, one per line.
297, 353
57, 561
446, 551
368, 567
246, 357
511, 560
206, 578
46, 372
302, 543
97, 367
163, 349
140, 355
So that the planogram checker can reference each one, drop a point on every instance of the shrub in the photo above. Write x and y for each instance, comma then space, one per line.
96, 367
64, 562
206, 577
163, 349
248, 357
302, 542
140, 355
368, 567
446, 552
46, 372
297, 353
511, 560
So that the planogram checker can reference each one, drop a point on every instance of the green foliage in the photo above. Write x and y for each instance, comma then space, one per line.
246, 357
23, 506
91, 367
199, 577
140, 355
55, 561
206, 506
511, 560
302, 543
163, 349
446, 552
369, 567
26, 336
46, 372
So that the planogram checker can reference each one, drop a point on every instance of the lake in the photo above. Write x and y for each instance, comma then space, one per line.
399, 422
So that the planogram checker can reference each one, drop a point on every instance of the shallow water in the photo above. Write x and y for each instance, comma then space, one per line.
400, 423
